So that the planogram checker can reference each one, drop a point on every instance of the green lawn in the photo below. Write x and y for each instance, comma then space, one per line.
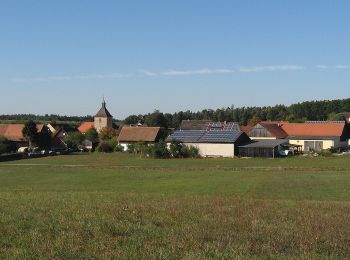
125, 207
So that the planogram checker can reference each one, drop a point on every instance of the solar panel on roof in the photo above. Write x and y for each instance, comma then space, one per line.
187, 135
220, 136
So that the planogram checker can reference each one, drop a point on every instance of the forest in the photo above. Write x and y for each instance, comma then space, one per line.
299, 112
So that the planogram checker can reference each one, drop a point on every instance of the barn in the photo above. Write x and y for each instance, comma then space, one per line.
212, 143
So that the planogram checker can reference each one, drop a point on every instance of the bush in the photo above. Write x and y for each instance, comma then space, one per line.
139, 148
105, 147
74, 140
160, 150
119, 148
326, 153
180, 150
176, 148
108, 146
194, 152
6, 146
107, 133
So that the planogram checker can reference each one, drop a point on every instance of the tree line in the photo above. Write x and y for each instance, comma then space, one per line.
21, 118
300, 112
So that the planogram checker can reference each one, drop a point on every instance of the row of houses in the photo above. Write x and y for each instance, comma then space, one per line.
213, 139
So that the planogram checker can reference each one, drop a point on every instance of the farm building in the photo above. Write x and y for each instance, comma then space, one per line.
268, 148
316, 136
309, 136
212, 143
267, 131
129, 135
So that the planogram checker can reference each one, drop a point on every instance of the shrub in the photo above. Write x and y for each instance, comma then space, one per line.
119, 148
180, 150
176, 148
194, 152
326, 152
160, 150
105, 147
139, 148
108, 146
6, 146
107, 133
74, 139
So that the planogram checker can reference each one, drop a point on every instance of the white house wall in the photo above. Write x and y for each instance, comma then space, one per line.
326, 144
214, 150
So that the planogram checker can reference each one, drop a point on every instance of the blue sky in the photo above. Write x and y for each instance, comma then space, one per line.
63, 56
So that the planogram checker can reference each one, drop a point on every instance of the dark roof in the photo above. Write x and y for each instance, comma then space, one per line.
103, 112
66, 127
201, 136
189, 136
266, 144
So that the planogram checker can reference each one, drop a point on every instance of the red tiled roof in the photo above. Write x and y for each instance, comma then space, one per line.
84, 127
138, 134
13, 132
321, 129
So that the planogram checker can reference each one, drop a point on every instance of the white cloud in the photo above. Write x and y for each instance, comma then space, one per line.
173, 72
322, 66
272, 68
342, 67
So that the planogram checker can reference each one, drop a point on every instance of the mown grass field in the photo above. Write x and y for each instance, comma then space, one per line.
118, 206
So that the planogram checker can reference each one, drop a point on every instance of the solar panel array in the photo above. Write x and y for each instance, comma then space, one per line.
186, 135
224, 136
198, 136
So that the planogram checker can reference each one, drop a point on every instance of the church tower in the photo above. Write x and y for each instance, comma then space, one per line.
103, 118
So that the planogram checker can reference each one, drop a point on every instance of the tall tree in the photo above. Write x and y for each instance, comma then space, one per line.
92, 135
30, 132
107, 133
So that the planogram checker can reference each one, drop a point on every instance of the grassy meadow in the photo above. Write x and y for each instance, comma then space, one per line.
102, 206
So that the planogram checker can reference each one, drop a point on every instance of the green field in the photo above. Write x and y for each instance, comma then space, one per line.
118, 206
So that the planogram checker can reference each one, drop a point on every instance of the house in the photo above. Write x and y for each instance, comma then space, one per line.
316, 136
130, 134
101, 120
86, 126
212, 143
13, 132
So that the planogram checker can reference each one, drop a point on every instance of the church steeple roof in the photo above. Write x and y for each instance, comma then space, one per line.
103, 112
